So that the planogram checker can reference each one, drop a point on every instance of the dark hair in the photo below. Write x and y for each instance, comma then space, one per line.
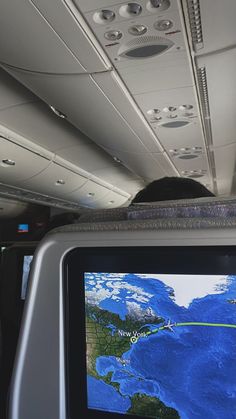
171, 188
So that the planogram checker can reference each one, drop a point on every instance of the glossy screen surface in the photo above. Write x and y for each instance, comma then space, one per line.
161, 346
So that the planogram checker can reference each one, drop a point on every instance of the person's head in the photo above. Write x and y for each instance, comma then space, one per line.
171, 188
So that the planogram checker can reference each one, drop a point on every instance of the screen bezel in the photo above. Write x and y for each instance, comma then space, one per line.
208, 260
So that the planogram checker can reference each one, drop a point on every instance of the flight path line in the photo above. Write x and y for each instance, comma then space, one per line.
206, 324
154, 331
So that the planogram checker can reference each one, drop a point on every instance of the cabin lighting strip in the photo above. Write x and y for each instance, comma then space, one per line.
194, 14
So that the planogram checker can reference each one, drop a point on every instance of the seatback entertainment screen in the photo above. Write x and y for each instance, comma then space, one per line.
151, 332
161, 345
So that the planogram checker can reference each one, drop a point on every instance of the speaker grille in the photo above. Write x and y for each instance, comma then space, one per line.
175, 124
145, 47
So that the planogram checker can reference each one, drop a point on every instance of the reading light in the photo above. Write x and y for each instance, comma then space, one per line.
153, 111
113, 35
153, 5
111, 202
104, 16
163, 25
60, 182
137, 30
172, 116
185, 107
90, 194
57, 112
195, 174
130, 10
169, 109
155, 119
8, 163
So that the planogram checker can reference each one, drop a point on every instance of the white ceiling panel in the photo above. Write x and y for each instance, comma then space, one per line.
113, 88
13, 93
89, 109
200, 162
221, 83
175, 138
27, 41
161, 99
75, 33
225, 160
218, 24
171, 73
86, 5
47, 183
27, 164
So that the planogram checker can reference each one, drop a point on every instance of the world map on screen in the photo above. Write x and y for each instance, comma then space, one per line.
161, 346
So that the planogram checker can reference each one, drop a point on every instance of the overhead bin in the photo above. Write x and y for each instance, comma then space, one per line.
18, 164
114, 124
89, 157
37, 123
89, 193
149, 166
111, 200
117, 178
55, 181
33, 38
12, 92
110, 121
39, 130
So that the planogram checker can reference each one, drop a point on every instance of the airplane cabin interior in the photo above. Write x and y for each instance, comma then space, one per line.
109, 308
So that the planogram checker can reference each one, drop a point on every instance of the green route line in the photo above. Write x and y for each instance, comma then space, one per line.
134, 339
206, 324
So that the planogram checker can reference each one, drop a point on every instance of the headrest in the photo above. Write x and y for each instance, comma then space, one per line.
198, 213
